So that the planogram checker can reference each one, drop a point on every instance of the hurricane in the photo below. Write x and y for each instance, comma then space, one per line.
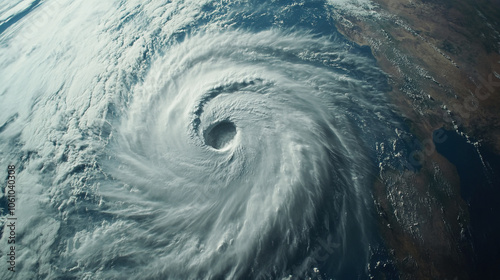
193, 147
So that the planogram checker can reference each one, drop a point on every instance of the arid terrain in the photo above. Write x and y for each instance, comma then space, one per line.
443, 61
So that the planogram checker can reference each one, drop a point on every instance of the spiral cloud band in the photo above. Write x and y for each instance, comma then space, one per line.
167, 151
286, 152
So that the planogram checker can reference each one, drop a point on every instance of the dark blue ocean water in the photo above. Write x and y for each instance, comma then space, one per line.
480, 188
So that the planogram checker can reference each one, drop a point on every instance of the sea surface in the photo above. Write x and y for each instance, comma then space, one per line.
479, 185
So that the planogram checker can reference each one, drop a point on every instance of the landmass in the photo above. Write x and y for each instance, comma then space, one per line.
443, 62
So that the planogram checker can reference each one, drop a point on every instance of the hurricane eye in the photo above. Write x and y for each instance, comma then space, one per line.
220, 134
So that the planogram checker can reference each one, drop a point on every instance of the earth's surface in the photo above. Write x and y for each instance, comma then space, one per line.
348, 139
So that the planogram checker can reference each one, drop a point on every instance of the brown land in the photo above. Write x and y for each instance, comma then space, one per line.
441, 57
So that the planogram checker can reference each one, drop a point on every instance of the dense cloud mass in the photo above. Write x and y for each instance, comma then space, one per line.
188, 140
